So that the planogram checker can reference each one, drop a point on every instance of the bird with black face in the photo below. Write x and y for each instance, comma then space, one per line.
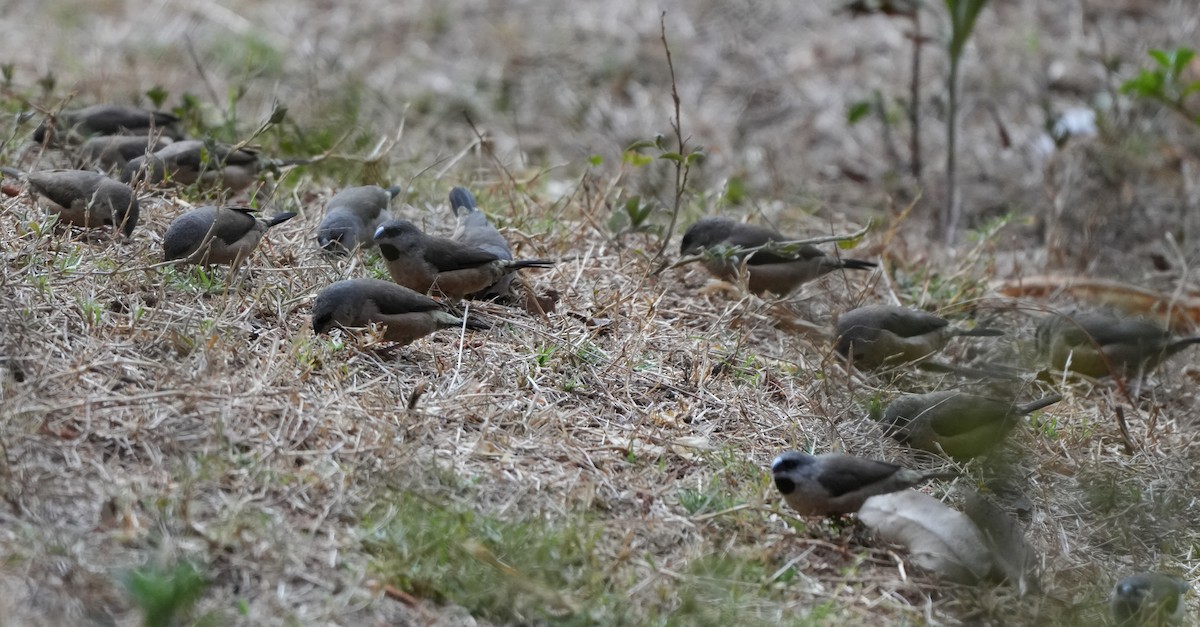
835, 483
426, 263
1101, 343
352, 216
85, 199
217, 235
405, 314
878, 336
106, 119
768, 271
1149, 600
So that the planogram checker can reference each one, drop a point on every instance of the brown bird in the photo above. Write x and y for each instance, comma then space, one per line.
1099, 343
426, 263
473, 228
769, 271
956, 423
111, 152
210, 164
83, 198
216, 235
835, 483
406, 314
106, 119
876, 336
352, 216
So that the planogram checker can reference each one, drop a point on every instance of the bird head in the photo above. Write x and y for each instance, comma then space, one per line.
785, 468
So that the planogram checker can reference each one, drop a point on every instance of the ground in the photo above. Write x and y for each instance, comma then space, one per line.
604, 464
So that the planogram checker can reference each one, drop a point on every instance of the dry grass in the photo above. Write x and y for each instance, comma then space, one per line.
605, 464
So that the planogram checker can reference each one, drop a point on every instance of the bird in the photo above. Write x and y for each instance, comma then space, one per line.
406, 314
84, 198
836, 483
875, 336
426, 263
209, 164
473, 228
111, 152
352, 216
768, 271
1100, 343
106, 119
216, 235
1149, 599
955, 423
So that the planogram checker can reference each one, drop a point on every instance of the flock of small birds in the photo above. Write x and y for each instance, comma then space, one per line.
119, 149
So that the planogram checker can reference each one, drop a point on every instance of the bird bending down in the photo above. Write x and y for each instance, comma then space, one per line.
352, 216
956, 423
1090, 343
875, 336
768, 271
406, 314
209, 164
835, 483
112, 152
426, 263
1149, 600
106, 119
85, 199
216, 235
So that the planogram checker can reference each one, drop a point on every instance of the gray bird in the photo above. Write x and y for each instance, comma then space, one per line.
1149, 600
111, 152
209, 164
473, 228
1092, 342
406, 314
83, 198
426, 263
216, 235
352, 216
834, 483
955, 423
768, 271
875, 336
106, 119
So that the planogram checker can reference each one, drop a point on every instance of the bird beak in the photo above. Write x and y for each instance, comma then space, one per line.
378, 233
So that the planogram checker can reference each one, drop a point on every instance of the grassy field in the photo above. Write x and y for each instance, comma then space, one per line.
177, 445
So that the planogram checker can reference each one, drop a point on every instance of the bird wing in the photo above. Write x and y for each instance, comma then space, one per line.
392, 301
447, 255
843, 475
911, 322
233, 223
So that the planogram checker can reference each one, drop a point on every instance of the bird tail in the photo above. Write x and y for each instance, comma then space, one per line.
1178, 345
394, 190
449, 320
858, 264
462, 198
1046, 401
517, 264
280, 218
13, 172
979, 332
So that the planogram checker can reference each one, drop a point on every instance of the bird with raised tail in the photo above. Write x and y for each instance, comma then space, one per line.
85, 199
405, 314
435, 264
956, 423
876, 336
835, 483
1100, 343
217, 235
472, 228
209, 164
1149, 600
352, 216
768, 271
106, 119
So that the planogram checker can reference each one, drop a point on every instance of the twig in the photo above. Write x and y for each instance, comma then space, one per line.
682, 168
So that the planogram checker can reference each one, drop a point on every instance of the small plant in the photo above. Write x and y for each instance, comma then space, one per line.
165, 596
1164, 83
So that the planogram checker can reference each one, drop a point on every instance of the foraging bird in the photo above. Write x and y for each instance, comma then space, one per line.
473, 228
768, 271
207, 163
406, 314
112, 152
1149, 599
1090, 343
423, 262
106, 119
83, 198
834, 483
216, 235
883, 335
352, 216
956, 423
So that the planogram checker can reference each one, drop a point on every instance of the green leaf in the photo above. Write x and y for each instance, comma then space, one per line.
858, 111
697, 157
595, 160
278, 114
636, 159
1163, 58
660, 141
640, 144
157, 95
673, 156
735, 190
